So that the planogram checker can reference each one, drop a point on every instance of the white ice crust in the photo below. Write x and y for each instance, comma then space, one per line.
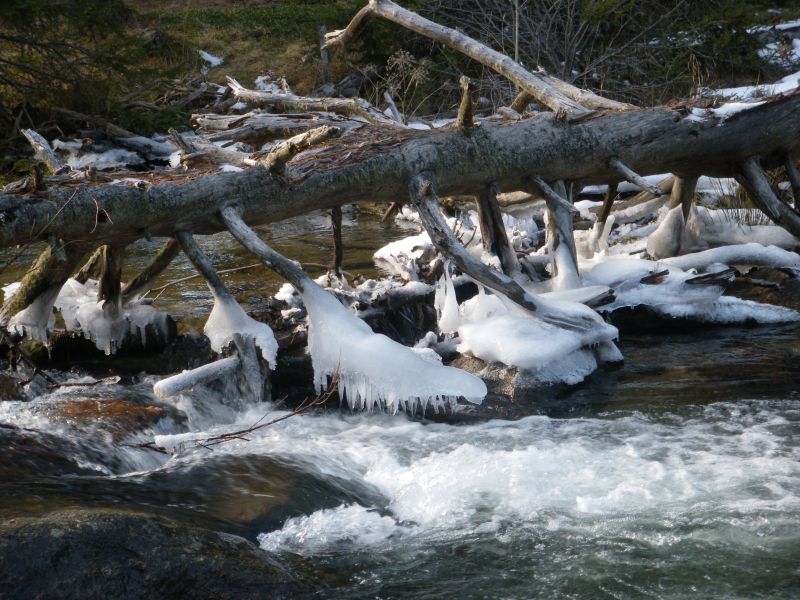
374, 370
228, 318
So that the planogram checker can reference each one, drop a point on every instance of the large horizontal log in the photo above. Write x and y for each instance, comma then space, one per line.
375, 165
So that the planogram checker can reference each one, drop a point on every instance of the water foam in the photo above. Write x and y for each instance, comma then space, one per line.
723, 463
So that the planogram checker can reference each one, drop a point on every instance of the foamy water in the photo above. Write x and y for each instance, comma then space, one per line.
620, 504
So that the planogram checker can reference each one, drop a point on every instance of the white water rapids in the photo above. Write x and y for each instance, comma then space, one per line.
676, 476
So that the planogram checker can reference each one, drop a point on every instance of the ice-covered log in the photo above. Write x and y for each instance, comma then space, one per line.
186, 380
371, 369
30, 309
227, 319
739, 254
426, 201
561, 242
668, 239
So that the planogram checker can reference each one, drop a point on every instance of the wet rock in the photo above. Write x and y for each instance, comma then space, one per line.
25, 453
114, 554
118, 416
780, 287
182, 352
10, 388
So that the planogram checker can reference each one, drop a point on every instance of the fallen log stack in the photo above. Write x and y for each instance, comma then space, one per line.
292, 155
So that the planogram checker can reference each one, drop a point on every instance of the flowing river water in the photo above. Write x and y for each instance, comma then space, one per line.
677, 475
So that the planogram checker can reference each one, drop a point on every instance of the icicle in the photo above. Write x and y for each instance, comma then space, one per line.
373, 370
446, 303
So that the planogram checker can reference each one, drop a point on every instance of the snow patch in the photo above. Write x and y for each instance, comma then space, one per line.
213, 61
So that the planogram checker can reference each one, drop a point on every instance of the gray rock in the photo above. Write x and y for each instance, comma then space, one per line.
114, 554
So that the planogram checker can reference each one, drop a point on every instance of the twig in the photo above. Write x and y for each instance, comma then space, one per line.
305, 407
145, 446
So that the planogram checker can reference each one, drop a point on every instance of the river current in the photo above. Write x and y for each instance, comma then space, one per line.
675, 476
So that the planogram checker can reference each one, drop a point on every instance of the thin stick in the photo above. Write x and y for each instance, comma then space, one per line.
634, 177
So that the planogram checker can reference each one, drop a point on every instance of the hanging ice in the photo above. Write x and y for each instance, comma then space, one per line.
83, 314
373, 369
37, 320
446, 303
228, 318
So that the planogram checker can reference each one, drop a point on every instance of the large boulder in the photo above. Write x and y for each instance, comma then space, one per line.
114, 554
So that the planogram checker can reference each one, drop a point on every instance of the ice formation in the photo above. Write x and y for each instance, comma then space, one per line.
374, 370
37, 320
400, 257
446, 303
228, 318
83, 314
674, 295
495, 330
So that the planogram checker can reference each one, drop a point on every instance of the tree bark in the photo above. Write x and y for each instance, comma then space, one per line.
493, 232
751, 176
376, 165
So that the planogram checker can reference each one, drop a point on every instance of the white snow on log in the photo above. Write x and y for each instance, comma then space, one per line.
785, 26
624, 186
740, 254
213, 61
374, 370
110, 159
787, 84
226, 168
495, 331
729, 109
128, 181
151, 148
228, 318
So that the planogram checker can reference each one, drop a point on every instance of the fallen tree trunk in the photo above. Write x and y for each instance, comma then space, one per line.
557, 95
376, 165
